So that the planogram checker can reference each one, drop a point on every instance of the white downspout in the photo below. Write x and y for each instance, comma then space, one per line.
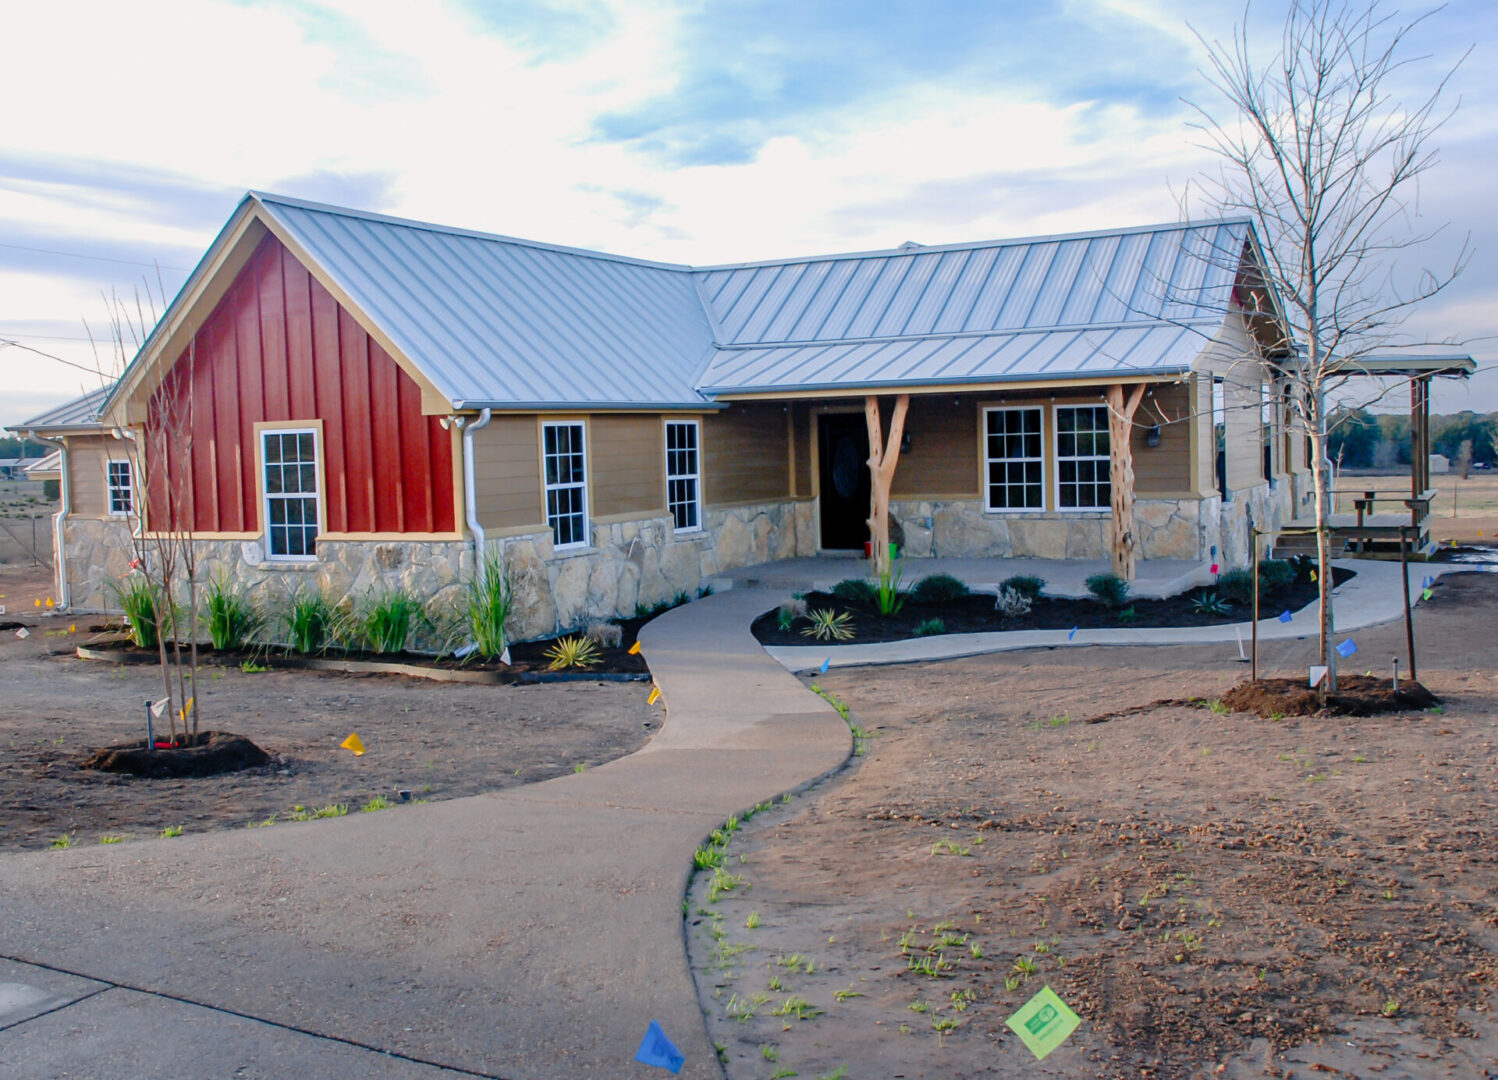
470, 492
65, 491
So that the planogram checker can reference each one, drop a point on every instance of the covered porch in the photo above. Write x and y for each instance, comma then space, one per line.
1382, 519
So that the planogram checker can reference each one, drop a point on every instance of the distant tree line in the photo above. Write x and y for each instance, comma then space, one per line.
18, 447
1360, 439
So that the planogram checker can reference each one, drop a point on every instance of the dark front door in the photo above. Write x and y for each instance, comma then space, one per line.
843, 451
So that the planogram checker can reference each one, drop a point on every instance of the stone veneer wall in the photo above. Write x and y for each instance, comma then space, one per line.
631, 562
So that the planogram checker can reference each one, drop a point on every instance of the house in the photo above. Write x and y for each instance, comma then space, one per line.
352, 400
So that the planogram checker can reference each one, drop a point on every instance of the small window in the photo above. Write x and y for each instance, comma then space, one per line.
683, 475
1082, 458
291, 512
121, 494
566, 483
1015, 459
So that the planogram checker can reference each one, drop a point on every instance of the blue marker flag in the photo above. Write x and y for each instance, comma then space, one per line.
1071, 633
1427, 583
1347, 648
825, 665
655, 1049
1285, 616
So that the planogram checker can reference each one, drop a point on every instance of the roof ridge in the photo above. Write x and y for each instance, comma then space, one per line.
972, 245
1008, 331
266, 197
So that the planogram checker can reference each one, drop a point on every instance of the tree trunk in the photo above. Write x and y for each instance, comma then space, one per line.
883, 457
1121, 475
1323, 544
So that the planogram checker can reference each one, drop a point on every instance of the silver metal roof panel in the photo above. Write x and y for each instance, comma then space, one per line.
81, 412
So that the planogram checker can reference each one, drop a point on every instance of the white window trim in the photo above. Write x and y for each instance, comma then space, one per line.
586, 541
695, 477
265, 496
109, 487
1056, 453
987, 461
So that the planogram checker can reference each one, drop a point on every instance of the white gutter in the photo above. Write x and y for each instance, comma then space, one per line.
59, 540
470, 494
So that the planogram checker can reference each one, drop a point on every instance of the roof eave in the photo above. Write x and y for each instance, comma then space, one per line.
942, 385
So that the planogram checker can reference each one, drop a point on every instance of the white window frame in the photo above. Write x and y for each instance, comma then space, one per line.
695, 476
547, 486
1056, 411
111, 488
989, 461
267, 497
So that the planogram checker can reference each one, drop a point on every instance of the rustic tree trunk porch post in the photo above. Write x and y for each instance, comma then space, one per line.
883, 457
1121, 475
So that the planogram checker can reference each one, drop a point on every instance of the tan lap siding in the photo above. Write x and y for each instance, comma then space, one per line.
628, 462
746, 454
507, 473
942, 459
1163, 469
86, 464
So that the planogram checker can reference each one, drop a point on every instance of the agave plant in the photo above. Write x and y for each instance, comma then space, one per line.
829, 625
575, 651
1209, 604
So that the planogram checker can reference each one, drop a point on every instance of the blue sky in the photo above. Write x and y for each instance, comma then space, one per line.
693, 131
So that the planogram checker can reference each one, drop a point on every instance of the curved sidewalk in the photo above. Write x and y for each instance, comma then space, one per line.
1374, 596
531, 933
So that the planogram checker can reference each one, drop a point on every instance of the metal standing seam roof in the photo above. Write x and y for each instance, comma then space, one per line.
81, 412
493, 321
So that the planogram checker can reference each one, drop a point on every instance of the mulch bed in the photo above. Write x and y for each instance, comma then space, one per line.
213, 753
976, 614
1356, 695
528, 661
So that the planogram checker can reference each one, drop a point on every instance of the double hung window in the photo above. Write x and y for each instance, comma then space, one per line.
683, 475
566, 482
1082, 458
121, 494
289, 458
1014, 459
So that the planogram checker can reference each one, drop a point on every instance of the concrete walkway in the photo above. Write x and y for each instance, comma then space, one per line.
532, 933
1374, 596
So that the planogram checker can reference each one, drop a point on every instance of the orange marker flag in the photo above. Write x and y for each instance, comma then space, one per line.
353, 743
634, 650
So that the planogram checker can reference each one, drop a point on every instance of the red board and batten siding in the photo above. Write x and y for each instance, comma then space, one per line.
279, 348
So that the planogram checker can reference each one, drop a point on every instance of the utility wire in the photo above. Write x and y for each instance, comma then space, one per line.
95, 258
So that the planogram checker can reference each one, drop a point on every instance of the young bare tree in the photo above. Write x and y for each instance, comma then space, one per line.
1315, 148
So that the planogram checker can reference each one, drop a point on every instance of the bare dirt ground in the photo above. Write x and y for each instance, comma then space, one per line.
1215, 894
437, 740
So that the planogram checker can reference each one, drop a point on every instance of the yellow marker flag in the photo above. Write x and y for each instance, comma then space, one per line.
36, 603
73, 628
655, 694
353, 743
49, 599
186, 709
634, 650
1313, 575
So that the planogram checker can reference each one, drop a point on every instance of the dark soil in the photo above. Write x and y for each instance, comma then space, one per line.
528, 660
1357, 695
976, 614
213, 753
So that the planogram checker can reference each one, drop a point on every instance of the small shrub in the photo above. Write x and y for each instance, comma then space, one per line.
786, 615
605, 635
829, 625
574, 651
1236, 586
929, 627
938, 589
1027, 584
488, 606
138, 599
703, 592
1276, 574
232, 620
681, 598
309, 621
1011, 603
1110, 590
859, 592
1209, 604
388, 619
